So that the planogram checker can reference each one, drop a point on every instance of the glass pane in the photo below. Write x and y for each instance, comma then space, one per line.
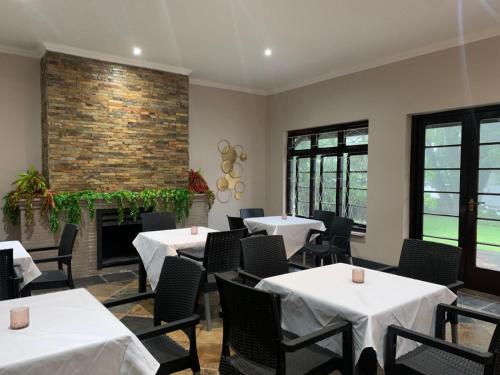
490, 209
317, 185
442, 157
488, 257
358, 214
489, 156
302, 142
446, 180
488, 231
356, 137
292, 185
489, 181
441, 226
490, 131
329, 163
303, 209
357, 197
358, 180
448, 242
441, 203
358, 163
303, 184
328, 197
327, 140
443, 134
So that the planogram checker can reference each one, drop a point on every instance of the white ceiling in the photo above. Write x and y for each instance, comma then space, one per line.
222, 41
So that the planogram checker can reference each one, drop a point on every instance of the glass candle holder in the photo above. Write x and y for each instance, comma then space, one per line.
19, 317
194, 230
284, 216
358, 275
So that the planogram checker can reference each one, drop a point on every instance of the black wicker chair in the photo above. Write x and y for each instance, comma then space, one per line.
9, 279
326, 217
334, 243
175, 300
254, 343
152, 221
57, 278
251, 212
265, 256
222, 253
237, 223
437, 356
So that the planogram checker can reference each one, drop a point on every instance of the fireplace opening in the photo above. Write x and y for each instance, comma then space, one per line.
114, 240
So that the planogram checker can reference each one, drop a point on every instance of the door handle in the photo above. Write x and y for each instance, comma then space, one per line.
473, 204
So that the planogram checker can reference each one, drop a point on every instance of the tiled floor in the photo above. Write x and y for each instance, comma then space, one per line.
138, 316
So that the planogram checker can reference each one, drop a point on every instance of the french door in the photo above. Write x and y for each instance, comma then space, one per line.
455, 188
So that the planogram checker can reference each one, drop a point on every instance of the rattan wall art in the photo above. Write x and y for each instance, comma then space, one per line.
231, 165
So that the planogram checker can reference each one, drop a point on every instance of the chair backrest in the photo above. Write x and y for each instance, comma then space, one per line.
152, 221
251, 212
6, 272
264, 256
235, 222
176, 294
429, 261
252, 322
326, 217
67, 241
341, 227
223, 251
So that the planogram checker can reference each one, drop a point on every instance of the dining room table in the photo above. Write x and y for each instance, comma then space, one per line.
23, 261
70, 332
294, 229
314, 298
154, 246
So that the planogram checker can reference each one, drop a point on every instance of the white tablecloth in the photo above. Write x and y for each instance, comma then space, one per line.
28, 268
154, 246
70, 332
314, 298
294, 229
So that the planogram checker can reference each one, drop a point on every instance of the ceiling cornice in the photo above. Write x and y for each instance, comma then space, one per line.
436, 47
247, 90
35, 54
114, 58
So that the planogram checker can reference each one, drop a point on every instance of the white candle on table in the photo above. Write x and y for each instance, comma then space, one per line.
358, 275
19, 317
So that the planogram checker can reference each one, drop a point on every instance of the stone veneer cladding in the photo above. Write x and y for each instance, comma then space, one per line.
108, 126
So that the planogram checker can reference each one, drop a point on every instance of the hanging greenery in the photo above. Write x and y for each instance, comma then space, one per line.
31, 185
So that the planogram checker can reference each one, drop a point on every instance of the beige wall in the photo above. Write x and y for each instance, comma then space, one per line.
216, 114
20, 134
385, 96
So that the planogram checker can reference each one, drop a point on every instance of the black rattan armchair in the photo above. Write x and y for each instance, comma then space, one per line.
175, 300
237, 223
322, 235
222, 253
57, 278
265, 256
437, 356
9, 279
152, 221
251, 212
254, 343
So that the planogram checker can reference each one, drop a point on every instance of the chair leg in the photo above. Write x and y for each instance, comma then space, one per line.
304, 258
207, 311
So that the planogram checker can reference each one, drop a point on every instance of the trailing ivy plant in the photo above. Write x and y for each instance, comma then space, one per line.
31, 185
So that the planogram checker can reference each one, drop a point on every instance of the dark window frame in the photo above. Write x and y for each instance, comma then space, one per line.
314, 151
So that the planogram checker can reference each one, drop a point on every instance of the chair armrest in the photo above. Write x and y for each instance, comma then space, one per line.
474, 314
461, 351
312, 232
53, 259
454, 287
192, 321
388, 269
298, 266
198, 256
46, 248
130, 299
249, 276
262, 232
307, 340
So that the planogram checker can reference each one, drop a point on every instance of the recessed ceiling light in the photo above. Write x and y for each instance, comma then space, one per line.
137, 51
268, 52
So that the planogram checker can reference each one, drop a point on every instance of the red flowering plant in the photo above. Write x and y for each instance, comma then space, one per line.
198, 184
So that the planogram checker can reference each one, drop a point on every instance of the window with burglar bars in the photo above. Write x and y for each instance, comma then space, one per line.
328, 170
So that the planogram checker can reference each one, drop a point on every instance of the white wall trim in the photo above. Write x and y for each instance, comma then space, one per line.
435, 47
114, 58
35, 54
200, 82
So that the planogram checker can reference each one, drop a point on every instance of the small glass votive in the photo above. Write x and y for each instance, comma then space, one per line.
19, 317
358, 275
194, 230
284, 216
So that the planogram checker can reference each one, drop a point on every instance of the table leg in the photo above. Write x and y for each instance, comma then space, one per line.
142, 277
367, 363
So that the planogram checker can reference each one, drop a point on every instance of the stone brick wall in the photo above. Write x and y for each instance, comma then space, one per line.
107, 126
